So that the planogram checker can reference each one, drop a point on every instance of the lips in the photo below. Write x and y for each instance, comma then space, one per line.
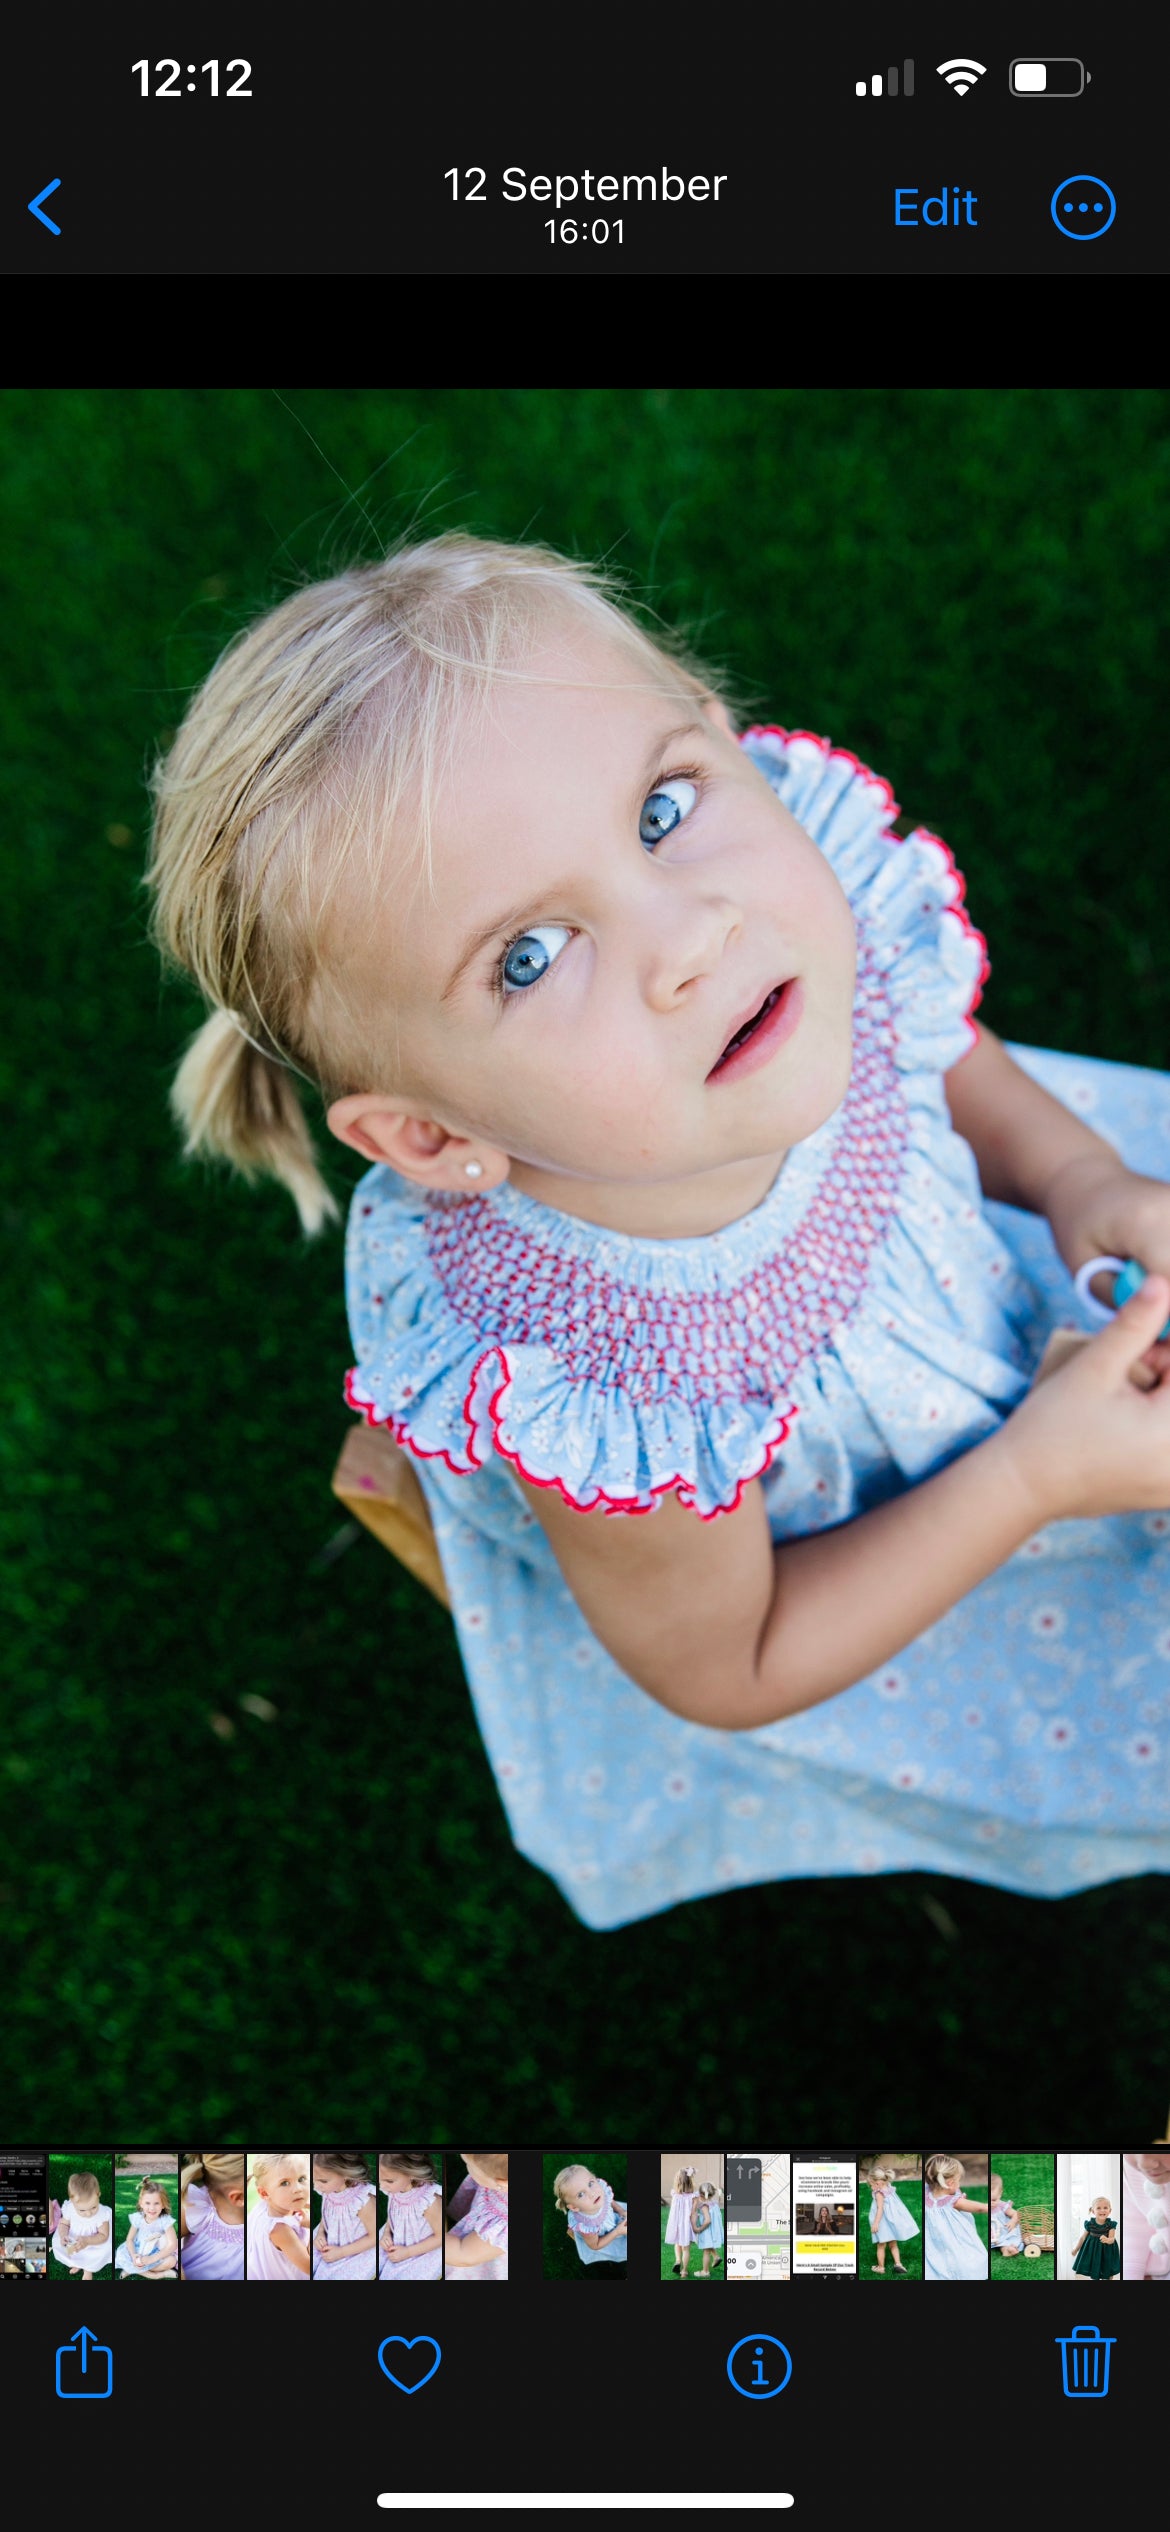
763, 1023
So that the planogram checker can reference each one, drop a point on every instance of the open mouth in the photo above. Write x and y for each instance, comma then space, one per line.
748, 1029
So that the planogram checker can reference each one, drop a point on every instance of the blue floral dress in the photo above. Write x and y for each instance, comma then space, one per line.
870, 1320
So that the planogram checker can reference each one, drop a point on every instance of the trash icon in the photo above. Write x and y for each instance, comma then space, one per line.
1085, 2358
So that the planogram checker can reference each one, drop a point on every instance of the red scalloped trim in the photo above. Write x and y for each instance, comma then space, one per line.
772, 729
845, 755
397, 1426
971, 929
678, 1484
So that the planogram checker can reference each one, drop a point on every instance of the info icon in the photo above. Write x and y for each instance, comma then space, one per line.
759, 2366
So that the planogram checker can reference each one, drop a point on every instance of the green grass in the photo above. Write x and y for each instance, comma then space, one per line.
909, 2252
126, 2188
83, 2158
1028, 2181
967, 587
561, 2259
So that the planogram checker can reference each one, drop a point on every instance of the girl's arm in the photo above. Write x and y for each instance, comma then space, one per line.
1021, 1136
970, 2206
1109, 2235
469, 2250
355, 2250
1077, 2245
725, 1629
291, 2245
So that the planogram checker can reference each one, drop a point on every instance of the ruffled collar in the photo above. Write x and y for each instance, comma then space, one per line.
618, 1368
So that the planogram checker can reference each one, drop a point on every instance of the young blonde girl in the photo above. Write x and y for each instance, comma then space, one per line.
694, 1191
596, 2220
151, 2247
1006, 2230
475, 2247
345, 2242
412, 2236
680, 2229
707, 2220
213, 2194
889, 2221
953, 2248
82, 2238
278, 2225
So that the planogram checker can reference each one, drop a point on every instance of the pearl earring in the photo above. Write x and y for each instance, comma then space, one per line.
473, 1169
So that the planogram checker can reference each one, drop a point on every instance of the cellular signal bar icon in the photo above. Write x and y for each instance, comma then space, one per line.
877, 86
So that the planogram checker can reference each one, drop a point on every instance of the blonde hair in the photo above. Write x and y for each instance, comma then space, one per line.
352, 2168
878, 2171
709, 2189
84, 2188
413, 2160
495, 2165
154, 2189
262, 2167
683, 2184
940, 2166
571, 2172
212, 2171
318, 725
995, 2181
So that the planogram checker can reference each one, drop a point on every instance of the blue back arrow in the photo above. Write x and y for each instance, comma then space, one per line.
46, 222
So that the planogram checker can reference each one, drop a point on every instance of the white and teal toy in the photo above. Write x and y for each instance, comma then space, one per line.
1129, 1276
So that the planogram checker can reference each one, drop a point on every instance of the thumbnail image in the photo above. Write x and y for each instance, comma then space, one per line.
1021, 2203
475, 2249
212, 2216
1088, 2217
410, 2241
890, 2233
24, 2259
691, 2215
344, 2215
1145, 2232
278, 2219
955, 2225
824, 2200
24, 2214
81, 2215
758, 2214
146, 2215
584, 2215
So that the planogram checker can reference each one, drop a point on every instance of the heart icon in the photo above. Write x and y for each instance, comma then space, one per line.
408, 2344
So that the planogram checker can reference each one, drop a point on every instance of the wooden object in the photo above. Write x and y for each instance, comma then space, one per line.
375, 1481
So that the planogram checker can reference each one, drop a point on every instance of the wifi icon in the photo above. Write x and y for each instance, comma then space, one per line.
961, 75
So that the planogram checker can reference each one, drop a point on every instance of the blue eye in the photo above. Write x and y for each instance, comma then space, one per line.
665, 810
529, 958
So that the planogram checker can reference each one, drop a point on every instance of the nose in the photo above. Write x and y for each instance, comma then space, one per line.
687, 933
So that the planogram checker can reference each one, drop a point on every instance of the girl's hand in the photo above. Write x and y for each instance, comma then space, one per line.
1099, 1208
1085, 1441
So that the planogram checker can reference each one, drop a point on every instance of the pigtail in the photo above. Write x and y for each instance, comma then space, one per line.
233, 1101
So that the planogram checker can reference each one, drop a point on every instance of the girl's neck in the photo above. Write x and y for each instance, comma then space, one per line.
670, 1209
226, 2208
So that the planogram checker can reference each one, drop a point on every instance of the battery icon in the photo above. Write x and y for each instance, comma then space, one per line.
1056, 75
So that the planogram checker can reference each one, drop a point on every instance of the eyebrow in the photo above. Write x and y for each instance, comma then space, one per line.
531, 910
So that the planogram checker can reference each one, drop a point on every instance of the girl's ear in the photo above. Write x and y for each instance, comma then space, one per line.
714, 709
417, 1147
